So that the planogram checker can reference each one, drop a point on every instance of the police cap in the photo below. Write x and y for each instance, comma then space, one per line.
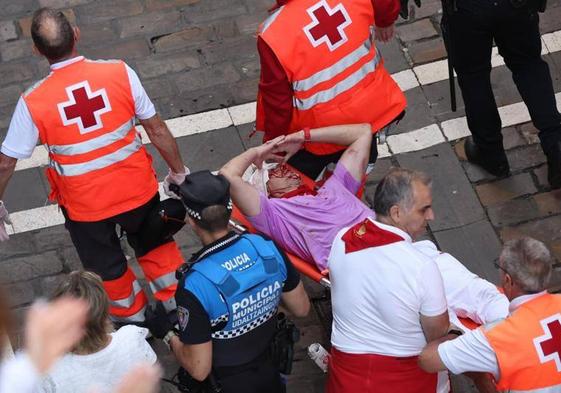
203, 189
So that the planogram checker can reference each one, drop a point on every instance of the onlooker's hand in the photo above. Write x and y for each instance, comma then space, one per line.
268, 151
384, 34
174, 178
4, 219
142, 379
52, 329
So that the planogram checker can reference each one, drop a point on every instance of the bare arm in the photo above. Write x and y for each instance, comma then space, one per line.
196, 358
429, 359
244, 195
7, 168
435, 327
163, 140
297, 301
357, 136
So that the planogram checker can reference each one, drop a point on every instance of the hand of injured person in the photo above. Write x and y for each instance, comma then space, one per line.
269, 151
291, 145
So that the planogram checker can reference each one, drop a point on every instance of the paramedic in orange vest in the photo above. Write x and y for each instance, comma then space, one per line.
100, 174
523, 351
320, 67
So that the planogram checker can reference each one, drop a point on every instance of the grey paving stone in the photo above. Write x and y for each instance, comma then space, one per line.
438, 95
15, 73
525, 157
30, 267
426, 51
20, 293
205, 11
92, 13
243, 47
19, 245
157, 5
25, 191
96, 33
159, 88
14, 50
10, 95
249, 23
194, 102
52, 238
17, 8
513, 212
48, 285
159, 65
475, 245
475, 173
154, 23
549, 21
505, 189
8, 30
248, 140
243, 91
62, 3
131, 49
417, 113
394, 59
70, 259
546, 230
204, 78
416, 30
455, 203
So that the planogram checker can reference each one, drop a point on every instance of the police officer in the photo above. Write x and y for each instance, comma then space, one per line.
227, 300
470, 27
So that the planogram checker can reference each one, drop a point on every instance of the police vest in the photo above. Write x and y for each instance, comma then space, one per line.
528, 347
85, 115
249, 276
327, 52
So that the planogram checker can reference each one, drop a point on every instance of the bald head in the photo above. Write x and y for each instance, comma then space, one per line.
52, 34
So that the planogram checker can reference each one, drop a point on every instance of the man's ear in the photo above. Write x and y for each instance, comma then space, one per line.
76, 30
395, 213
35, 51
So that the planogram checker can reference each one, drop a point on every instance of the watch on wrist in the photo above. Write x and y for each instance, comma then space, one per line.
167, 338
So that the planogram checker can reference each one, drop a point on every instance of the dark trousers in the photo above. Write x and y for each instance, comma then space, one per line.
261, 377
472, 29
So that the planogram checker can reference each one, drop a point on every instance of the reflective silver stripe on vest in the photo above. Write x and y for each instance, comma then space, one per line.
269, 21
341, 87
136, 317
335, 69
550, 389
163, 282
95, 143
99, 163
128, 301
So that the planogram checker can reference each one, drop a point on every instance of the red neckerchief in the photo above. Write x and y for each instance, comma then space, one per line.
366, 234
303, 189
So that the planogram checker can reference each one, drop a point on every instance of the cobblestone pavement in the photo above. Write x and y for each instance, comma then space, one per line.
198, 55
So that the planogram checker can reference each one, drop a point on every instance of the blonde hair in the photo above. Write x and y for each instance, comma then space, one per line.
89, 286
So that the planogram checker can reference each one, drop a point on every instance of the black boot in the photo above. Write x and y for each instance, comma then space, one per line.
554, 166
494, 162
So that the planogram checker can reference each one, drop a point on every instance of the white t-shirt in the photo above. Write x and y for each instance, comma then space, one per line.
472, 351
23, 134
19, 375
467, 295
104, 369
379, 293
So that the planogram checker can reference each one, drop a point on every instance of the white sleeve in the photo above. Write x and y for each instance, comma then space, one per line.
470, 352
139, 349
22, 135
431, 288
143, 107
19, 375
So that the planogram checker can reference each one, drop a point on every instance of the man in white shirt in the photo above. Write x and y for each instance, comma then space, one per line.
100, 174
521, 351
388, 297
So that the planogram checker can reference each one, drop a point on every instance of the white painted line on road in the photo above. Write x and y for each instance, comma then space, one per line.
243, 114
416, 140
406, 80
552, 41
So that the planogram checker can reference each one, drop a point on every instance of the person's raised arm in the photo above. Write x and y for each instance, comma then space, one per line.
165, 143
244, 195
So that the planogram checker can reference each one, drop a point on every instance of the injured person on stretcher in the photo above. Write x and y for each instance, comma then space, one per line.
304, 220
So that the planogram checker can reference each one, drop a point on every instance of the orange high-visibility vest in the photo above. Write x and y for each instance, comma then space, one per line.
85, 115
337, 74
528, 346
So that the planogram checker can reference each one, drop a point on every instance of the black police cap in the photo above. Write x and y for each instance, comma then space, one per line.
203, 189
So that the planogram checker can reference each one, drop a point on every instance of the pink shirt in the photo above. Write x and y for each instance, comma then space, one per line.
306, 225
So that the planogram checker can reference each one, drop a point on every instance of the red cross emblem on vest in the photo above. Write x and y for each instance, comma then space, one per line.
84, 107
548, 346
328, 25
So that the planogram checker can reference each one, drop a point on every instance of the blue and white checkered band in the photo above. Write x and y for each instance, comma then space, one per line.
230, 205
192, 213
219, 320
227, 334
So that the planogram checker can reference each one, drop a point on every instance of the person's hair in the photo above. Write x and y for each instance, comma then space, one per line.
214, 218
52, 33
529, 263
88, 286
396, 188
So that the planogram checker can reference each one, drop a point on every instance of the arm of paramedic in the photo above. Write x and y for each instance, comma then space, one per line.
434, 310
357, 136
385, 12
195, 358
20, 141
158, 132
275, 94
245, 196
163, 140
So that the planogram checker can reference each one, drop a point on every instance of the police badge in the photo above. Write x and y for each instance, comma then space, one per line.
182, 317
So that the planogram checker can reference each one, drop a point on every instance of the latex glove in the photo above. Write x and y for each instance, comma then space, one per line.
174, 178
4, 219
158, 321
